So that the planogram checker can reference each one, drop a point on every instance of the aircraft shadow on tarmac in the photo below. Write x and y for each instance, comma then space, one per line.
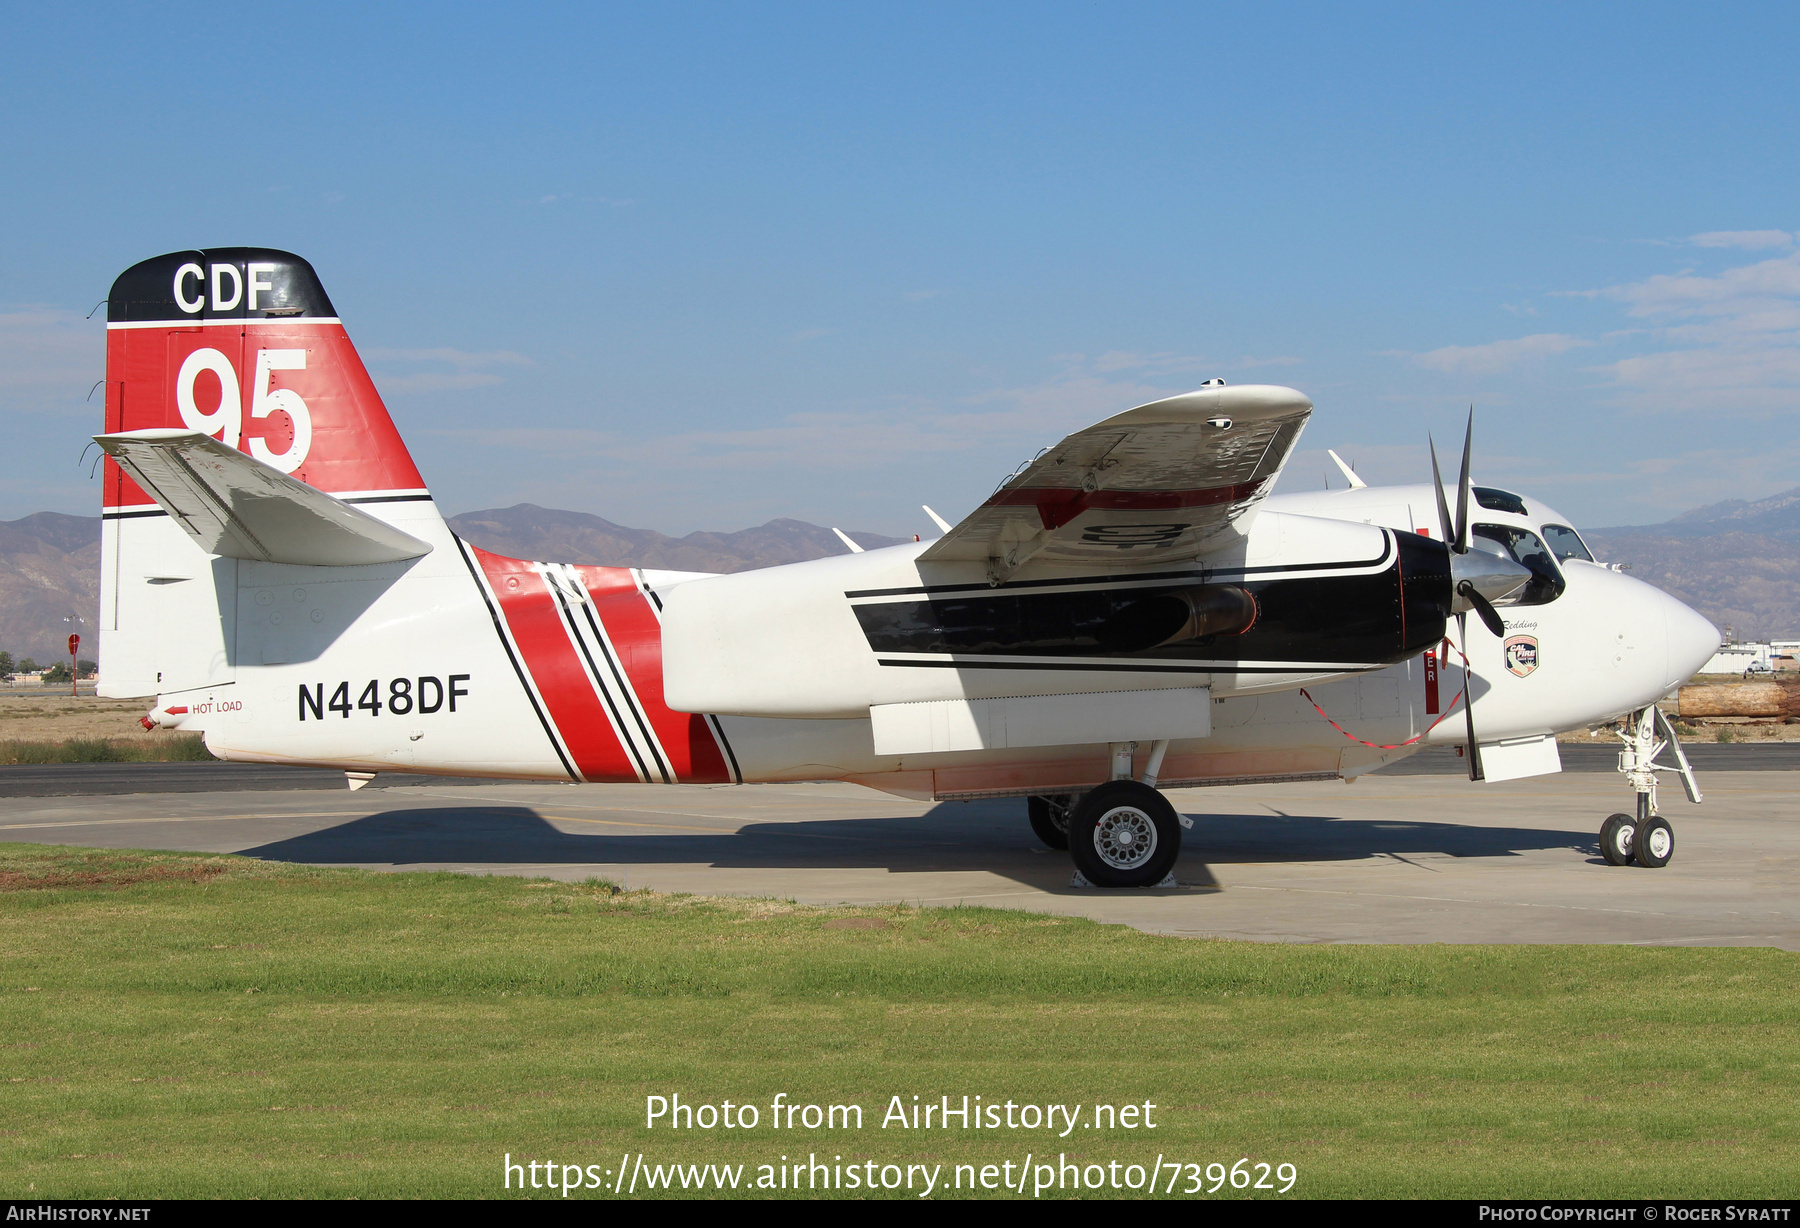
955, 836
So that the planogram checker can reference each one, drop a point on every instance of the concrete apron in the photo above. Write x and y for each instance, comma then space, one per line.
1397, 860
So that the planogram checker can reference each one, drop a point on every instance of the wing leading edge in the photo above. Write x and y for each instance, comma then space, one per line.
1163, 483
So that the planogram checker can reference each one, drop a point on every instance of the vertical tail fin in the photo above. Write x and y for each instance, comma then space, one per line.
241, 344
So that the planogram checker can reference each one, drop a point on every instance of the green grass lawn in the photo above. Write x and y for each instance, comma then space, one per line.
183, 1026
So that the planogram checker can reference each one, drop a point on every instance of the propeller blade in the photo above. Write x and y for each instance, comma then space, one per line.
1475, 773
1490, 617
1445, 529
1462, 489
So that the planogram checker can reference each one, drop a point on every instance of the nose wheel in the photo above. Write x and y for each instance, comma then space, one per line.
1649, 841
1653, 843
1618, 837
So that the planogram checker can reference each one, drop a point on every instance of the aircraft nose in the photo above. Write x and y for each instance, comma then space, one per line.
1691, 639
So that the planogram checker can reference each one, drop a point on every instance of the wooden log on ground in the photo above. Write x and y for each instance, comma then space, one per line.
1741, 699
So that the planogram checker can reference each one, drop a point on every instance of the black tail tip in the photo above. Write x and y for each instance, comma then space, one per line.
222, 283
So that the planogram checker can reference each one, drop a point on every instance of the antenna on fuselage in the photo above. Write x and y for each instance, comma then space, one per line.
1356, 483
845, 538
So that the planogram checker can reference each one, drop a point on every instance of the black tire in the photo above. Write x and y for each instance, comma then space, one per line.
1124, 834
1050, 818
1654, 843
1617, 835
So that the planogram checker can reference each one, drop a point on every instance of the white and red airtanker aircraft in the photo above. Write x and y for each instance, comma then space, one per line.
1130, 609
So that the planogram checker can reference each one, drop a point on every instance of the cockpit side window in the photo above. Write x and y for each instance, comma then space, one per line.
1566, 543
1496, 500
1524, 546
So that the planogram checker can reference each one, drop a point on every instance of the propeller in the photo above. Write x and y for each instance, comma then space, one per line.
1490, 617
1474, 575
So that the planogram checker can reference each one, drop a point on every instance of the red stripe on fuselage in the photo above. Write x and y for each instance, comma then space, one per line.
636, 633
556, 667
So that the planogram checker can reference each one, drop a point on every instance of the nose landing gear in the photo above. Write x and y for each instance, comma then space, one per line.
1648, 839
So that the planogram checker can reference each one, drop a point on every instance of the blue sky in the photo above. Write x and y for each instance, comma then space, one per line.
701, 266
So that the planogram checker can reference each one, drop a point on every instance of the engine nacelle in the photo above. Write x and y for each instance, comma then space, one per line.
1301, 600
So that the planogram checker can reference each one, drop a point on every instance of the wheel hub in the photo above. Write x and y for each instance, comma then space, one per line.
1125, 838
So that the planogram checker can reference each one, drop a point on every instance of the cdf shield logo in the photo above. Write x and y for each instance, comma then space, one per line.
1521, 654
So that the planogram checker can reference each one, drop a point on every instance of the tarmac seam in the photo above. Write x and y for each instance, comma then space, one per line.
1443, 899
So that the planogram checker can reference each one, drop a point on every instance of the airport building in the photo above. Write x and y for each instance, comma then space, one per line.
1755, 657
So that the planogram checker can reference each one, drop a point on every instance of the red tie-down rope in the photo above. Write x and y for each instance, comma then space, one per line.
1397, 745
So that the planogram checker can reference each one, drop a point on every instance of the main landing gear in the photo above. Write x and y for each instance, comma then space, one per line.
1647, 838
1050, 818
1122, 833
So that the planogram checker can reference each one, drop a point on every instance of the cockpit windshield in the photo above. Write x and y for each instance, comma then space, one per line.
1523, 546
1566, 543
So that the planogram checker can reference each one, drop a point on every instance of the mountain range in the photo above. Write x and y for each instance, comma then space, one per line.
50, 562
531, 532
1737, 562
49, 577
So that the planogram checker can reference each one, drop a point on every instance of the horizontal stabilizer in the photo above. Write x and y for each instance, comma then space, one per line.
234, 505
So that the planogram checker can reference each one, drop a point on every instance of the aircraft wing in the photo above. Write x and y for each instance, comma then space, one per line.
1162, 483
235, 506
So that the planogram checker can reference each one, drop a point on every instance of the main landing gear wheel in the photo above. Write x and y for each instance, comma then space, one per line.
1124, 834
1050, 819
1617, 835
1654, 842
